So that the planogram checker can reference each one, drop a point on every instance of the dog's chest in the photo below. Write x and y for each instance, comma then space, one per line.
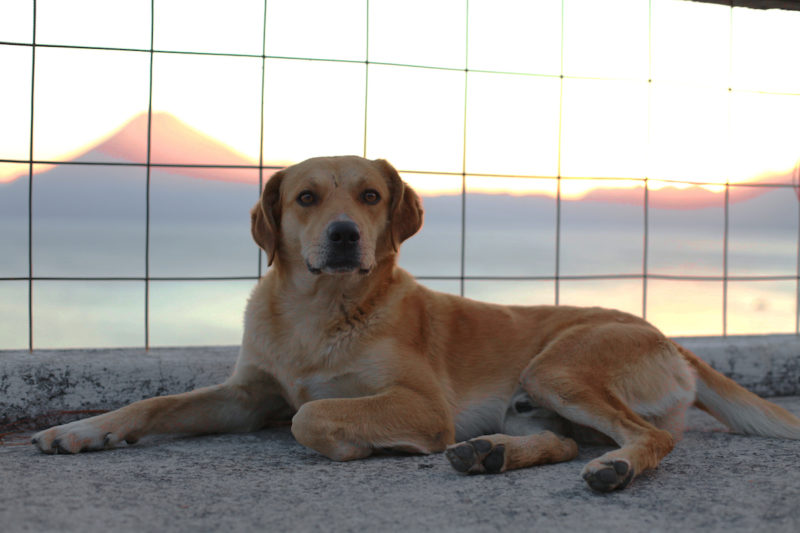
317, 351
333, 367
317, 343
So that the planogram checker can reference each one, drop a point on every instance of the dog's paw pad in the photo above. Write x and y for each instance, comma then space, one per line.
481, 446
494, 460
462, 457
609, 475
477, 456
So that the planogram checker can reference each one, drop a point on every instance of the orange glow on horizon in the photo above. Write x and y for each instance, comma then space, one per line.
175, 142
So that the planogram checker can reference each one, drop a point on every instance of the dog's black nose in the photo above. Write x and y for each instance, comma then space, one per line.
343, 233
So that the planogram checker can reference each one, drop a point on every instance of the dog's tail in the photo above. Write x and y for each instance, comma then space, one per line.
736, 407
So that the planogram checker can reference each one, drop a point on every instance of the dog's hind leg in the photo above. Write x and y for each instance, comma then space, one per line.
492, 454
612, 384
642, 445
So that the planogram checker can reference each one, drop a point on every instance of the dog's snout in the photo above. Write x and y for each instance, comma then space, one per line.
343, 249
343, 233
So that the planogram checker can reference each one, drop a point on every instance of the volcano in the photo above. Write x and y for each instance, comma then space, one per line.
172, 142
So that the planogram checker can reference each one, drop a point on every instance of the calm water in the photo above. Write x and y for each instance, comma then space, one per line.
201, 228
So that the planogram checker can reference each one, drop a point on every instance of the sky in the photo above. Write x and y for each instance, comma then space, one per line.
605, 120
668, 90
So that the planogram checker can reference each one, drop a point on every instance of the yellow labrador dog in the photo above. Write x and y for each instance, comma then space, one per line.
361, 357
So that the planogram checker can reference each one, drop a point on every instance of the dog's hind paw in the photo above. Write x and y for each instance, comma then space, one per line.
477, 456
608, 475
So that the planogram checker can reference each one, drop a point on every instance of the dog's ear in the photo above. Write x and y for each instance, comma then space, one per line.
266, 215
405, 211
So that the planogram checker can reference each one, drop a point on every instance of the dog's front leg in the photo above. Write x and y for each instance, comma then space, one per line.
351, 428
218, 409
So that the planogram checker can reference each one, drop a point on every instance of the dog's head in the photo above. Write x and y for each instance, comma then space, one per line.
335, 215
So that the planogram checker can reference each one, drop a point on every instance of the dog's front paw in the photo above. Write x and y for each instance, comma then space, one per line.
75, 437
477, 456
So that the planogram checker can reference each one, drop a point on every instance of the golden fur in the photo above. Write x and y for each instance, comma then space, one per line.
361, 357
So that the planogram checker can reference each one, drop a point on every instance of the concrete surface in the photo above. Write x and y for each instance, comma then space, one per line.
768, 365
45, 383
713, 480
45, 386
265, 481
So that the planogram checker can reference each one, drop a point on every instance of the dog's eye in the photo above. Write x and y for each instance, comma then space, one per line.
370, 197
306, 198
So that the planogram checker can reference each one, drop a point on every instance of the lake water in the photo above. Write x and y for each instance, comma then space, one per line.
203, 230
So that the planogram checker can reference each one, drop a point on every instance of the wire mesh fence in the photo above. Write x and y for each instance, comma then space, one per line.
645, 274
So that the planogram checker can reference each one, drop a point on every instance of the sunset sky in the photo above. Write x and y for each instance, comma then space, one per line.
685, 125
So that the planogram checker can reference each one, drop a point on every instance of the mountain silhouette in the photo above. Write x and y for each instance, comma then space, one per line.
175, 143
172, 142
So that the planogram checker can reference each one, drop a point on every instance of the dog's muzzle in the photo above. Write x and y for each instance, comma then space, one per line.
342, 248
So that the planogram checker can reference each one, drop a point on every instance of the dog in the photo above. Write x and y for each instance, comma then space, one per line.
361, 358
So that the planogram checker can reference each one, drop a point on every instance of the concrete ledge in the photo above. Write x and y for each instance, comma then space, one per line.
41, 386
49, 386
768, 365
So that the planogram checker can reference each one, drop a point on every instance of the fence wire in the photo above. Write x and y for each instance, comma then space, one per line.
645, 275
